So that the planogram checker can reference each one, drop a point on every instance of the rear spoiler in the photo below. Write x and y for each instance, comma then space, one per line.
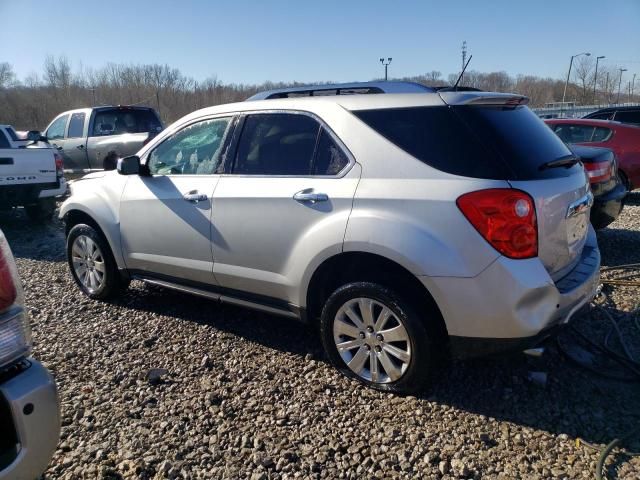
483, 99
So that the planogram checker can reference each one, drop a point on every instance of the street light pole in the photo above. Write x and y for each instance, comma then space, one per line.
386, 66
632, 88
595, 78
564, 94
620, 83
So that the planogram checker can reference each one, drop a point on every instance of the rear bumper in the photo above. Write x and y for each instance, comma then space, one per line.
513, 303
31, 418
58, 191
30, 193
607, 207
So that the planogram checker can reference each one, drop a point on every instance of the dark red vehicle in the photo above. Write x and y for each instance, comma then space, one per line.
623, 139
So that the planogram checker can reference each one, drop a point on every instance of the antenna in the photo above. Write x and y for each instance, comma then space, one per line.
464, 68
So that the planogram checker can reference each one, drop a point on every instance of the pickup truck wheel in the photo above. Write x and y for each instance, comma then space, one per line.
372, 334
41, 211
92, 264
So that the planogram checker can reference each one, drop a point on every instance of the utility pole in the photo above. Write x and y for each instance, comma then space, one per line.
608, 89
386, 65
595, 79
464, 60
620, 83
564, 94
631, 90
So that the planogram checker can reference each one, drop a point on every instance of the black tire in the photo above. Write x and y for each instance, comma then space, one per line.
425, 355
112, 281
624, 180
42, 211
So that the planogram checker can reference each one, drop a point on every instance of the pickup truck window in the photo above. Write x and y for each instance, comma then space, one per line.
194, 150
4, 143
127, 120
56, 130
76, 125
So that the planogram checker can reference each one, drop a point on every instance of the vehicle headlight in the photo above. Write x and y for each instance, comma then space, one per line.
15, 336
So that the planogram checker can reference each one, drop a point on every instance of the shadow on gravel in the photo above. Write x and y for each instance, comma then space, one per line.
43, 241
632, 198
573, 402
272, 331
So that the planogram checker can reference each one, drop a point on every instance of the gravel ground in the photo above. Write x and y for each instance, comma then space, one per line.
163, 385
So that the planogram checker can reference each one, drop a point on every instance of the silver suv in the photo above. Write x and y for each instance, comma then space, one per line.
403, 225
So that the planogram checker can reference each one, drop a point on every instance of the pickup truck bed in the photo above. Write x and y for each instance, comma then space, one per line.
30, 174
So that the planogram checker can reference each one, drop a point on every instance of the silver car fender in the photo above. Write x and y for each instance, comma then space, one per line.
98, 196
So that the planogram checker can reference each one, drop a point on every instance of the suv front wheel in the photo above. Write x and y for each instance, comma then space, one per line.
92, 264
375, 336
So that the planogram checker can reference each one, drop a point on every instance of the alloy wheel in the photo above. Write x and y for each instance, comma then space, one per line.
88, 263
372, 340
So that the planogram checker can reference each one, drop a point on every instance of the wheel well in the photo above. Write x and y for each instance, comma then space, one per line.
625, 179
76, 217
359, 266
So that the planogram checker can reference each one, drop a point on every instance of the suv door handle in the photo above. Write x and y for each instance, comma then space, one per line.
57, 147
310, 196
195, 197
80, 147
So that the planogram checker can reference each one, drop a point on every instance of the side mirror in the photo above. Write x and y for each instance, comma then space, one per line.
35, 136
129, 165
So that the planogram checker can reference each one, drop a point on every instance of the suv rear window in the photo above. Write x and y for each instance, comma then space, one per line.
125, 120
499, 143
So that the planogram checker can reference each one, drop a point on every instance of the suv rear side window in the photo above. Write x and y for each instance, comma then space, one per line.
125, 120
276, 144
330, 158
498, 143
56, 130
76, 125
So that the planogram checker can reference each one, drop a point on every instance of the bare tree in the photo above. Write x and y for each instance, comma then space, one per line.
583, 75
7, 77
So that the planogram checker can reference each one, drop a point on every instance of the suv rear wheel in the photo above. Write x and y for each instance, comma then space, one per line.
92, 264
375, 336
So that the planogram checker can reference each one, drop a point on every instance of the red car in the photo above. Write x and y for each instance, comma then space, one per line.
623, 139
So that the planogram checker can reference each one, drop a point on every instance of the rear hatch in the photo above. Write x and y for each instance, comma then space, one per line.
536, 161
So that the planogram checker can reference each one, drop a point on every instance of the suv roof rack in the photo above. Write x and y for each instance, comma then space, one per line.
343, 89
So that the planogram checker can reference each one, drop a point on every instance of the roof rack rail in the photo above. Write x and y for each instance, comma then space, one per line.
343, 89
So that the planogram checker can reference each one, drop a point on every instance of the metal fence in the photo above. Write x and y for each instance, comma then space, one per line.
576, 111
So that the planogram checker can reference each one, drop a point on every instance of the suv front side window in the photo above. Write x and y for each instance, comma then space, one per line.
277, 144
56, 129
194, 150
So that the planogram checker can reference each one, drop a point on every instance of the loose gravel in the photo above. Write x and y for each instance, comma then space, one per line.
163, 385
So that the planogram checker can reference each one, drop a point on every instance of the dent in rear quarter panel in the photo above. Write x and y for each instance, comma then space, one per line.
99, 197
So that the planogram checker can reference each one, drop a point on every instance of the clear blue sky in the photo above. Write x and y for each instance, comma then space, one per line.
253, 41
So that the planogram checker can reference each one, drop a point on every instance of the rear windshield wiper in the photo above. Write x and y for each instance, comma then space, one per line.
567, 161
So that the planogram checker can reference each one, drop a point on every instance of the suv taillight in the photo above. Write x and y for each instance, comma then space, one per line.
505, 217
59, 164
599, 171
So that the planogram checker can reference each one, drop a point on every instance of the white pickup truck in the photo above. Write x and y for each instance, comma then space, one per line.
31, 174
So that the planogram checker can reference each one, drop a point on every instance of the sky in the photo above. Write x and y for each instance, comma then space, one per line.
254, 41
